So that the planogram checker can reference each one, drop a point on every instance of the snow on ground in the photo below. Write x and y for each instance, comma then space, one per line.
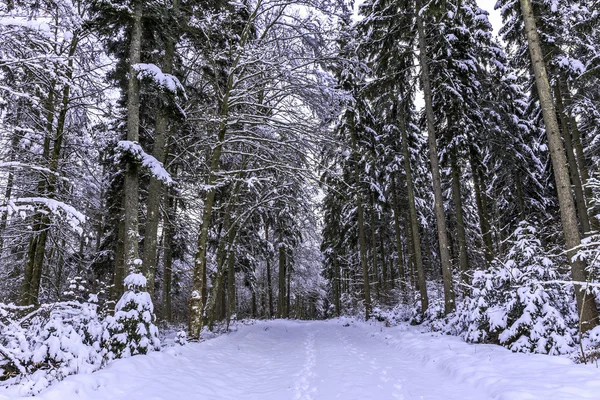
337, 359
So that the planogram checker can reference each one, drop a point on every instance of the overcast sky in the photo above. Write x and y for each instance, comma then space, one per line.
495, 18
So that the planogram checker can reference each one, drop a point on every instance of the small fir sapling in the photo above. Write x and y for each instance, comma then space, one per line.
131, 330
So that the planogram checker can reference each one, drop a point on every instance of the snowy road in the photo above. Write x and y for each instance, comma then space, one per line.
280, 360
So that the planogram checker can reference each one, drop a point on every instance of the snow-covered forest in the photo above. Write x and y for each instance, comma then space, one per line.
171, 168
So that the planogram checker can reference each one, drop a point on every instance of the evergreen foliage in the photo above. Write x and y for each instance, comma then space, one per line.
131, 329
517, 303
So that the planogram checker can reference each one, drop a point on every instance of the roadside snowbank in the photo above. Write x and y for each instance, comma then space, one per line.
504, 375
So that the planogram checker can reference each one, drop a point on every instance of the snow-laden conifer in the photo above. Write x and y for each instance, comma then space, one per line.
517, 301
131, 330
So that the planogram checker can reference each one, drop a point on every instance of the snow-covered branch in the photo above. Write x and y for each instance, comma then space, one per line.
166, 81
156, 167
23, 204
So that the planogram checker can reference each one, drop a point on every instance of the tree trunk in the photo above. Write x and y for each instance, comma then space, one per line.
281, 294
119, 274
376, 278
484, 224
168, 257
288, 291
9, 187
155, 187
414, 224
222, 307
199, 293
384, 269
269, 282
362, 242
396, 210
254, 306
230, 286
131, 183
520, 199
449, 305
337, 285
225, 248
460, 222
573, 168
586, 305
26, 296
574, 129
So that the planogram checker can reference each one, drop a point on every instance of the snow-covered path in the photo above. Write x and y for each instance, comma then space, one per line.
337, 359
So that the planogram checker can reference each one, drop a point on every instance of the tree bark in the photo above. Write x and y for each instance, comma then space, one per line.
131, 183
460, 222
288, 294
384, 269
362, 242
281, 295
449, 305
484, 224
376, 278
337, 285
230, 286
586, 305
396, 210
269, 282
9, 187
155, 188
572, 162
119, 273
520, 199
168, 256
414, 225
581, 161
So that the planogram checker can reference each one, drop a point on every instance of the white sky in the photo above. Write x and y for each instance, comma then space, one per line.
495, 18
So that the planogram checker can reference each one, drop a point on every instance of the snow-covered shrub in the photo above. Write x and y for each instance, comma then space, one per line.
181, 338
514, 302
434, 314
49, 343
590, 347
392, 316
131, 330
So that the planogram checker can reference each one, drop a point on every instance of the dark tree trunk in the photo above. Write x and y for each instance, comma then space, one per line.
413, 225
460, 222
572, 161
269, 283
440, 216
282, 267
362, 241
155, 188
